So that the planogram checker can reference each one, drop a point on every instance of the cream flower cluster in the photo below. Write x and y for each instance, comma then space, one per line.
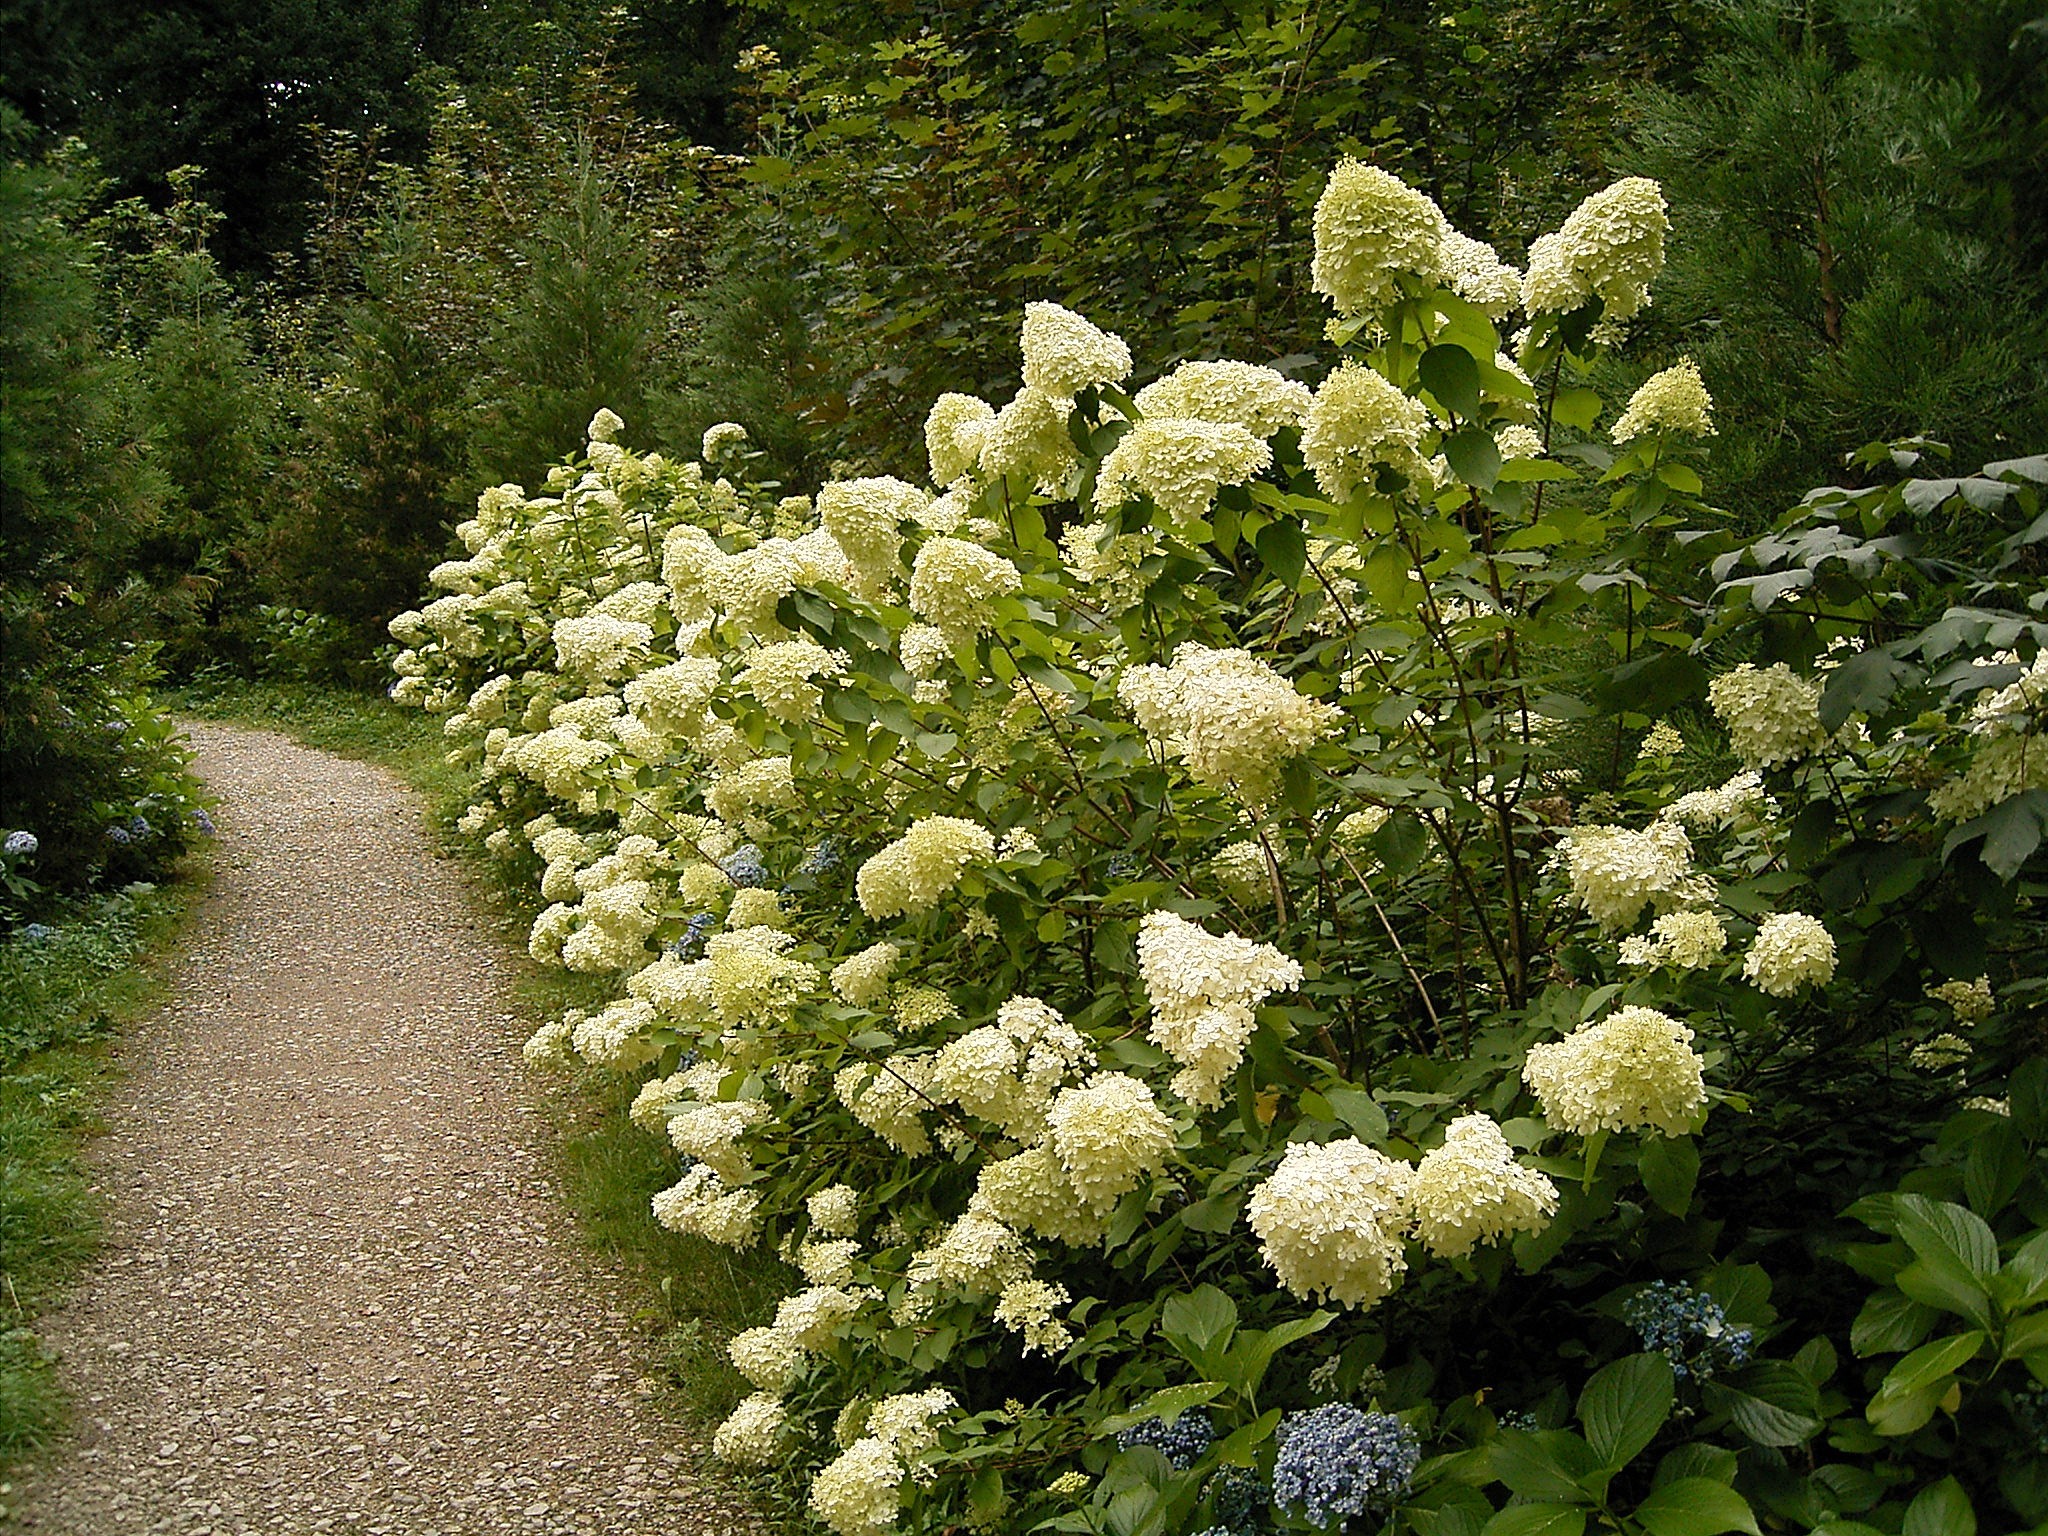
955, 429
1675, 400
952, 583
859, 1493
1203, 988
912, 873
1684, 941
1065, 353
1357, 423
599, 646
1030, 1308
1971, 1000
1031, 1192
1029, 440
1741, 799
1471, 1190
1369, 228
752, 1435
1230, 718
865, 518
862, 980
700, 1205
779, 675
1110, 564
1615, 872
1108, 1136
1261, 400
1790, 951
1611, 246
1773, 717
1635, 1070
889, 1100
1473, 270
834, 1210
1333, 1219
1180, 462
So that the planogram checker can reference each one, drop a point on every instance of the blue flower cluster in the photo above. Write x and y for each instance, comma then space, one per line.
203, 822
21, 845
822, 856
33, 933
1336, 1461
119, 835
691, 944
1235, 1497
1181, 1442
2030, 1406
743, 866
1688, 1327
1122, 866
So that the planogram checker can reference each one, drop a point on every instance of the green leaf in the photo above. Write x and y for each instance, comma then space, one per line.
2027, 1095
1452, 375
1866, 681
1360, 1112
985, 1498
1995, 1169
1282, 551
1890, 1323
1578, 408
1696, 1506
1537, 1520
1770, 1403
1916, 1386
1624, 1406
2011, 830
1474, 457
1670, 1166
1942, 1510
1202, 1317
1544, 1464
1954, 1252
1167, 1403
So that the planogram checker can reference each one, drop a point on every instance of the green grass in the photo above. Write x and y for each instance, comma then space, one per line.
62, 995
691, 1293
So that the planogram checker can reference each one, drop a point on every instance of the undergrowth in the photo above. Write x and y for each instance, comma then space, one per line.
695, 1294
65, 988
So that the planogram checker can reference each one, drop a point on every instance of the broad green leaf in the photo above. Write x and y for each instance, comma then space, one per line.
1918, 1384
1770, 1403
1578, 408
1537, 1520
1473, 457
1360, 1112
2027, 1095
1995, 1169
1695, 1506
1282, 550
1624, 1406
1168, 1403
1670, 1166
1452, 375
1890, 1323
1203, 1317
1544, 1464
1942, 1510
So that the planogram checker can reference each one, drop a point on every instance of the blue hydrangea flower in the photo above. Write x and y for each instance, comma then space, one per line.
21, 845
139, 827
203, 822
1121, 866
119, 835
1180, 1442
1235, 1497
743, 866
823, 856
1688, 1327
35, 933
1337, 1461
2030, 1406
691, 944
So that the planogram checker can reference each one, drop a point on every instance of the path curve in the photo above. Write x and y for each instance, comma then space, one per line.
337, 1294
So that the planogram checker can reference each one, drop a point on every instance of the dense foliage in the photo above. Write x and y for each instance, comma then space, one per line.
1280, 955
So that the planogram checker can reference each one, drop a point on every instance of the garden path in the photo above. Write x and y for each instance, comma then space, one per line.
337, 1293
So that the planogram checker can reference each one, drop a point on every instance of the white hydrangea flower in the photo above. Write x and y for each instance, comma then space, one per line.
710, 1133
862, 980
911, 874
600, 647
1612, 246
1180, 462
1332, 1221
1203, 988
549, 1045
1357, 421
1772, 716
1790, 951
1675, 400
725, 439
604, 427
1634, 1070
1473, 270
1261, 400
752, 980
1240, 869
1687, 941
1029, 1307
1065, 353
767, 1357
700, 1205
1029, 440
909, 1421
828, 1261
1516, 441
954, 431
752, 1435
888, 1100
1230, 718
1031, 1192
835, 1210
765, 783
1971, 1000
1108, 1136
1471, 1190
1110, 564
952, 583
779, 676
858, 1494
1940, 1053
865, 519
1615, 872
976, 1254
1369, 228
816, 1316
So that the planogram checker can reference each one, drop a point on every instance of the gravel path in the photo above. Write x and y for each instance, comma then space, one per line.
337, 1295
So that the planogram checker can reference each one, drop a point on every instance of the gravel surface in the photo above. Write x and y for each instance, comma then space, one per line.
337, 1293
